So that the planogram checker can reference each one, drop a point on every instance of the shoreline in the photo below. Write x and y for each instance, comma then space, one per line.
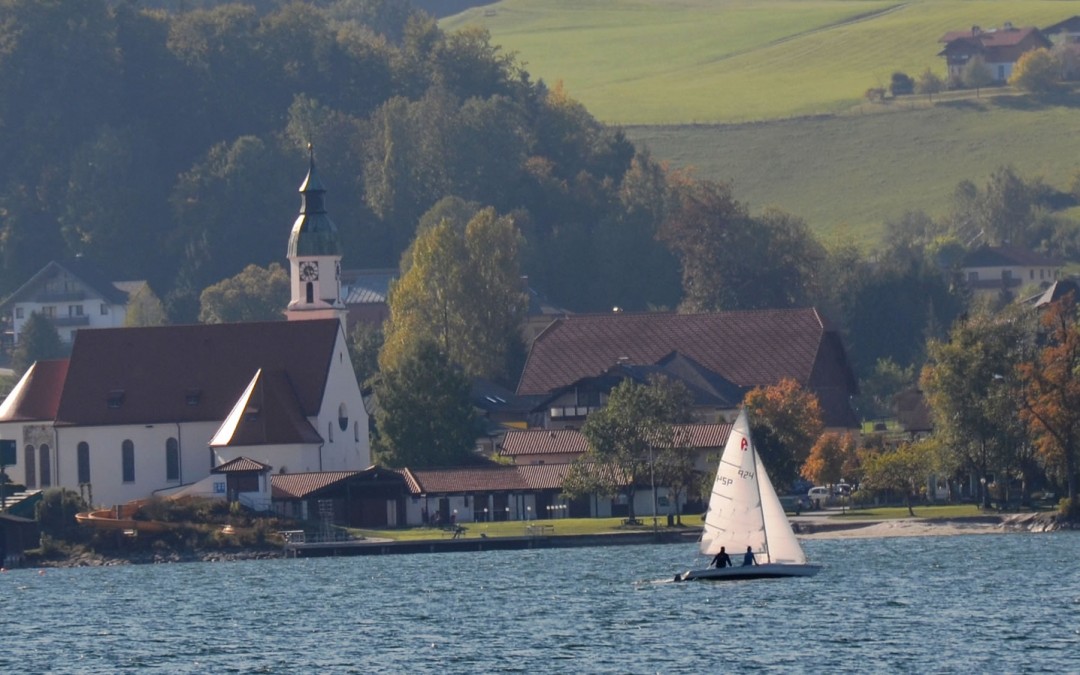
806, 527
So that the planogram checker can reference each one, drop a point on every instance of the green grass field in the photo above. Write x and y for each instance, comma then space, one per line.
708, 61
847, 174
767, 94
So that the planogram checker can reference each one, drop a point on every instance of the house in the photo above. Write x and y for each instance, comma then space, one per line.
1064, 32
374, 497
742, 350
714, 398
367, 294
73, 295
999, 48
1005, 269
136, 412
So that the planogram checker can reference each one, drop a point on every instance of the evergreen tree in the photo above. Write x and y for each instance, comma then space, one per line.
38, 340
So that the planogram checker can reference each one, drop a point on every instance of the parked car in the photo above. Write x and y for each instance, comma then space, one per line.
818, 496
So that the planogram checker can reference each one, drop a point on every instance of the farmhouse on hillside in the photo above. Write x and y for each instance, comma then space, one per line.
1005, 269
999, 48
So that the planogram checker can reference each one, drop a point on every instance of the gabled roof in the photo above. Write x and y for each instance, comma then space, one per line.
241, 464
467, 480
190, 373
1054, 292
36, 397
1070, 25
747, 349
1006, 255
266, 414
302, 485
991, 37
80, 269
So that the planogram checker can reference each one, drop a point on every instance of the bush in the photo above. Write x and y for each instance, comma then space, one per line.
56, 514
1069, 510
902, 84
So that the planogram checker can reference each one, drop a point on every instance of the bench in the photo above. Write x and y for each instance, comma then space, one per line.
539, 530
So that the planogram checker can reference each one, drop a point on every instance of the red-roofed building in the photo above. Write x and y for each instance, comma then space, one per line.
999, 48
741, 350
136, 412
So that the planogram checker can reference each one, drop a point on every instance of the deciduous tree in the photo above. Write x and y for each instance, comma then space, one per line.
633, 429
1035, 71
425, 417
830, 456
785, 421
929, 83
256, 294
903, 470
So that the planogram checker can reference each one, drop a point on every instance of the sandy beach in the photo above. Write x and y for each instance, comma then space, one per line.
823, 527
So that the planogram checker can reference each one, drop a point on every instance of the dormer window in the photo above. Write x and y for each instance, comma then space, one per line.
116, 398
193, 396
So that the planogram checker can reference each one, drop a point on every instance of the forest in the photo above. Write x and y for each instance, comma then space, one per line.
165, 141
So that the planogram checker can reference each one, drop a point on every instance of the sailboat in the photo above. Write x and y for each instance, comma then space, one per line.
744, 511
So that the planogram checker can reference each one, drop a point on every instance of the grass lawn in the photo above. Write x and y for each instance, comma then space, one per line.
847, 174
707, 61
517, 528
896, 512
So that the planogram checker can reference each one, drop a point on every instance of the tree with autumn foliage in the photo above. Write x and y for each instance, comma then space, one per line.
785, 421
832, 459
903, 470
1051, 391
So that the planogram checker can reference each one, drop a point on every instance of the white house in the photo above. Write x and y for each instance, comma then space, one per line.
73, 295
139, 411
990, 270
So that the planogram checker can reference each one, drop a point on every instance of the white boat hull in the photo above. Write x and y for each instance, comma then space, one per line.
766, 571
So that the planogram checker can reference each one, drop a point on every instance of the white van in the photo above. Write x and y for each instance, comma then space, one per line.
818, 497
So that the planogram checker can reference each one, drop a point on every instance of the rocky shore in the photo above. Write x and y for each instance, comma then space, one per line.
113, 558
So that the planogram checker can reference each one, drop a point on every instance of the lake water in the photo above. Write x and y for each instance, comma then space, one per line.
986, 603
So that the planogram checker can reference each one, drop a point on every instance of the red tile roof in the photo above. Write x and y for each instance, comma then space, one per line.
469, 479
570, 441
268, 414
300, 485
241, 464
1006, 255
190, 373
543, 442
36, 397
748, 348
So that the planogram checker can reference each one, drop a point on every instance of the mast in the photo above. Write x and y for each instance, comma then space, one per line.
757, 485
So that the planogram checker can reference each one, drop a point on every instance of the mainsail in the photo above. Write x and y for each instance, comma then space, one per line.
744, 509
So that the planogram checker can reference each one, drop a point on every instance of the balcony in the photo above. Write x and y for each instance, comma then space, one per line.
64, 321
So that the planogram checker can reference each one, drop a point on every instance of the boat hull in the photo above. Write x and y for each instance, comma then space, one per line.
746, 572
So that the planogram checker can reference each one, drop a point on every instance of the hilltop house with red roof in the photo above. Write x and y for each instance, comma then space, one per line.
999, 48
721, 355
201, 409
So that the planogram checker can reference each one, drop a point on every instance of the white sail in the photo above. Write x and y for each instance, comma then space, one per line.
744, 509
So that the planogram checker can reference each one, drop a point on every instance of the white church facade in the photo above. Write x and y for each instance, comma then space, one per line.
138, 412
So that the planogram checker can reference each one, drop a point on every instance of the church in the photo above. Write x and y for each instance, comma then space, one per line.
139, 412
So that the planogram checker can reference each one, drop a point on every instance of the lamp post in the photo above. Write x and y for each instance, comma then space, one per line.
508, 513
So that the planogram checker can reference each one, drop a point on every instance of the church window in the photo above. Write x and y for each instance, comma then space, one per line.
44, 466
127, 461
356, 431
343, 417
31, 472
172, 460
330, 431
310, 293
83, 455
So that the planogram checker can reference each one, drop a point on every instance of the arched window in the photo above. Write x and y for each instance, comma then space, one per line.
330, 431
127, 461
31, 462
82, 452
343, 417
172, 460
356, 431
310, 291
45, 466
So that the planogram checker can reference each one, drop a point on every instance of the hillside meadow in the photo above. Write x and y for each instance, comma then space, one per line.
710, 61
847, 174
768, 95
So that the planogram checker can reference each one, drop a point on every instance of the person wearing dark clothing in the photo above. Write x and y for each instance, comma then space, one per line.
748, 559
722, 559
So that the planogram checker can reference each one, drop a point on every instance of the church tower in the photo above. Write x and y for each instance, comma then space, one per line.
314, 257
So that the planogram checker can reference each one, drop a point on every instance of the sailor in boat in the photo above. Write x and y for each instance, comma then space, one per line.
748, 559
722, 559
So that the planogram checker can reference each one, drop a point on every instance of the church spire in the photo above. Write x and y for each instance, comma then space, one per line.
314, 255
